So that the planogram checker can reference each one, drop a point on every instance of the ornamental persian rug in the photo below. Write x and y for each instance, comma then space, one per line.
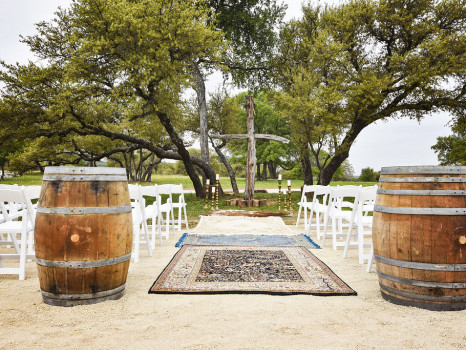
248, 270
256, 240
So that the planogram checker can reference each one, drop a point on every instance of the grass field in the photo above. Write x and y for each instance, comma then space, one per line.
196, 205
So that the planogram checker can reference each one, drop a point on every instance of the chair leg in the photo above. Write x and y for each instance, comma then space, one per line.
147, 237
179, 218
371, 258
136, 233
159, 226
173, 220
347, 242
185, 217
305, 216
299, 215
167, 224
22, 257
325, 232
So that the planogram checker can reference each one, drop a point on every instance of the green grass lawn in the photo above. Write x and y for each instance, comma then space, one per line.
196, 205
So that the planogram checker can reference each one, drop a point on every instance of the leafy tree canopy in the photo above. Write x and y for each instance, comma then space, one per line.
342, 68
113, 68
451, 150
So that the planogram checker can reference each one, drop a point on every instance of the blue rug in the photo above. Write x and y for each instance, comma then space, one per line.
300, 240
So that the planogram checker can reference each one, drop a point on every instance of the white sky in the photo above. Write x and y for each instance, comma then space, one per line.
396, 142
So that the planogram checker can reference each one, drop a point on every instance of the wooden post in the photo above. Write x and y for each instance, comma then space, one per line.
207, 192
290, 208
213, 197
251, 157
216, 192
279, 193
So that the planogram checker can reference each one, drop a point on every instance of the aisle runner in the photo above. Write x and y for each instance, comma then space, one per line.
241, 225
233, 269
256, 240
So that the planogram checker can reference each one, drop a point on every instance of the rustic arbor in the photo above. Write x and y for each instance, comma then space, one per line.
251, 137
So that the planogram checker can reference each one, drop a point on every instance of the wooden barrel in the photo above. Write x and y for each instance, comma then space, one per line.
83, 235
419, 236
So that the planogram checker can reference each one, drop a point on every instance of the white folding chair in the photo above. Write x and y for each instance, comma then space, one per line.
32, 193
12, 227
304, 204
139, 222
340, 213
165, 208
362, 221
319, 209
180, 205
151, 211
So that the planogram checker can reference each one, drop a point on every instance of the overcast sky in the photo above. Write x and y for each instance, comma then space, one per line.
395, 142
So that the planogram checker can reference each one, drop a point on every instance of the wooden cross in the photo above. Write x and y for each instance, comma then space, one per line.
251, 137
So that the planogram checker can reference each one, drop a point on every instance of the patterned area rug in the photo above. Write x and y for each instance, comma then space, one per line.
248, 240
232, 269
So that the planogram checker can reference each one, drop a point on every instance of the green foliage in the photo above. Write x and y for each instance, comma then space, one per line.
368, 174
451, 150
342, 68
250, 27
109, 69
224, 114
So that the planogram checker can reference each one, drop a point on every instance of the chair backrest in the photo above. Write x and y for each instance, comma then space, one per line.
323, 191
339, 193
164, 189
178, 189
133, 191
307, 189
149, 191
367, 199
320, 190
32, 192
137, 202
10, 199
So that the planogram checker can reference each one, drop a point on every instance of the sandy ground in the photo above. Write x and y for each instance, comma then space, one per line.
150, 321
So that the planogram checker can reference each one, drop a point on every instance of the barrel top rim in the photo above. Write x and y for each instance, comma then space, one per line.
423, 169
84, 170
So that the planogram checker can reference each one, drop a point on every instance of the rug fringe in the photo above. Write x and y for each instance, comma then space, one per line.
180, 242
311, 241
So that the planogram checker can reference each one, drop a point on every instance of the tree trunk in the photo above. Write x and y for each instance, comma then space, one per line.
148, 173
3, 172
272, 170
258, 172
306, 163
202, 105
227, 164
264, 171
185, 156
342, 152
251, 159
41, 168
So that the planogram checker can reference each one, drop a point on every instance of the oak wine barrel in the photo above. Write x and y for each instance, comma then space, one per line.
419, 236
83, 235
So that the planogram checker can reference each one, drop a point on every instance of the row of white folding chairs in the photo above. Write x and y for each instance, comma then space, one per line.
17, 235
331, 209
160, 213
